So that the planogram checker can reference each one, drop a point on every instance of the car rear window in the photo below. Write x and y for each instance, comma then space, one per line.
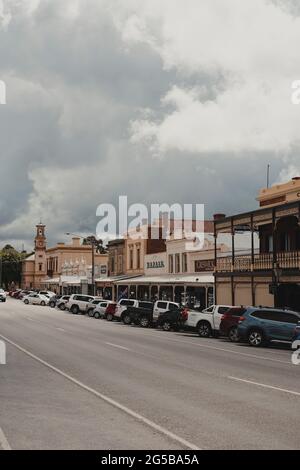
162, 304
236, 312
276, 315
127, 302
145, 304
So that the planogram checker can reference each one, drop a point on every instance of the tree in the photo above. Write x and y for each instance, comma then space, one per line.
99, 248
10, 266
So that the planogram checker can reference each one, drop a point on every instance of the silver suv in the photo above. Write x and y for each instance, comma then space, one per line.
79, 303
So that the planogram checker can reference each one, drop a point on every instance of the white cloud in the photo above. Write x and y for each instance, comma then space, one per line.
251, 45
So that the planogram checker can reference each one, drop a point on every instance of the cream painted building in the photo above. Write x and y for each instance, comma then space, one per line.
269, 275
62, 264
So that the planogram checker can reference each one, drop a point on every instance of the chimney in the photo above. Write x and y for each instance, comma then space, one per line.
76, 241
219, 216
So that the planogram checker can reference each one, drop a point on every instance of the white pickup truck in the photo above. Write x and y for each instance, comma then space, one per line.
207, 322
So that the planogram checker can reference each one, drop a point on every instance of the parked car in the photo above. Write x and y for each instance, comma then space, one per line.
62, 302
15, 294
146, 314
2, 295
207, 322
130, 314
101, 309
48, 293
261, 325
78, 303
230, 322
53, 300
91, 307
23, 293
110, 311
173, 319
122, 307
36, 299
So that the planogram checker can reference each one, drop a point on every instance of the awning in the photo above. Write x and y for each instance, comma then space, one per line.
114, 279
170, 280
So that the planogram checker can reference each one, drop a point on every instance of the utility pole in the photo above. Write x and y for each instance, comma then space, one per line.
268, 175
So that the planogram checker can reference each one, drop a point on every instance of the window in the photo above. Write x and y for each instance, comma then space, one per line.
162, 305
120, 263
184, 262
276, 315
173, 307
222, 310
131, 258
127, 302
113, 265
40, 266
177, 263
138, 258
171, 267
148, 305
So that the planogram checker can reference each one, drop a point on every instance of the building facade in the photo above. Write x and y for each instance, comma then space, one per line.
63, 267
34, 267
269, 275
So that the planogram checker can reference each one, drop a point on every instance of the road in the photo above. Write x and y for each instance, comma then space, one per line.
73, 382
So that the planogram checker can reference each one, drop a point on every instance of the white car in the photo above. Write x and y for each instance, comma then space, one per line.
36, 299
48, 293
100, 310
2, 295
78, 303
207, 322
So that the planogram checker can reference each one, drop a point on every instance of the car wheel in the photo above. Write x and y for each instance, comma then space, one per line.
75, 309
52, 304
96, 315
109, 317
26, 302
62, 307
166, 326
43, 303
144, 322
204, 330
126, 319
255, 338
90, 312
233, 335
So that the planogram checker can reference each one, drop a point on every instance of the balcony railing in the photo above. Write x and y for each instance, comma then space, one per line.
261, 262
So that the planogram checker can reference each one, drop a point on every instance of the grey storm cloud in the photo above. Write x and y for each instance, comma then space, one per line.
80, 75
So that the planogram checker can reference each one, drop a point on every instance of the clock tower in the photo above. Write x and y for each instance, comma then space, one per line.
40, 254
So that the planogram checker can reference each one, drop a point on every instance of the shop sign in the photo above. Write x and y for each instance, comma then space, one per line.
204, 265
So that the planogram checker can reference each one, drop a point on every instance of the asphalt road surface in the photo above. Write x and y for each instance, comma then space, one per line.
73, 382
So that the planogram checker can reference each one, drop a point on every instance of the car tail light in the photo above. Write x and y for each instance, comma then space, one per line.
111, 308
185, 314
241, 319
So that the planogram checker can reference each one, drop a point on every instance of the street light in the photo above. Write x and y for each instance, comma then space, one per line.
92, 240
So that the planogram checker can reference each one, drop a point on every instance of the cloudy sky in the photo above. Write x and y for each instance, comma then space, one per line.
161, 100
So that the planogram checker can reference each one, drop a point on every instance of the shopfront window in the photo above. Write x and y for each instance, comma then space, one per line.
177, 263
184, 263
171, 266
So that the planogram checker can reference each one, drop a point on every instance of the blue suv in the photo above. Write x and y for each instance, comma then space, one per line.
259, 325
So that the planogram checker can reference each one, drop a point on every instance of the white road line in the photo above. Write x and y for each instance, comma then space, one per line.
60, 329
3, 441
105, 398
278, 389
239, 353
117, 346
30, 319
